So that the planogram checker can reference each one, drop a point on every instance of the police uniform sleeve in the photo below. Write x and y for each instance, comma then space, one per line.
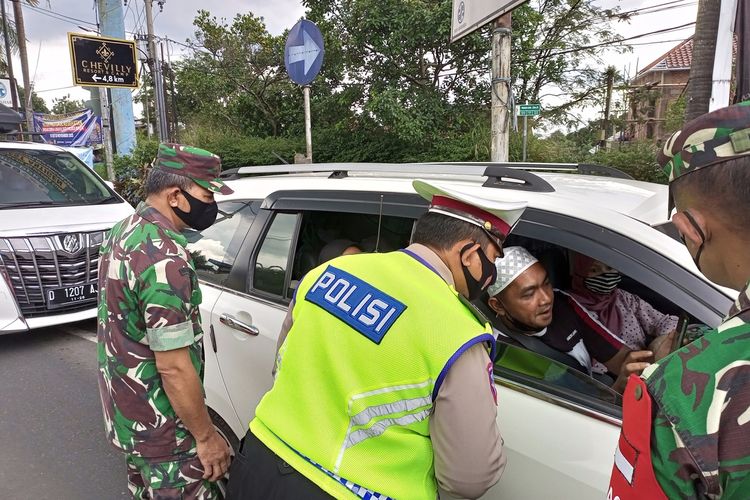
466, 442
165, 294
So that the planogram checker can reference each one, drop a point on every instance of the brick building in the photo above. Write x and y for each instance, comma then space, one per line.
654, 88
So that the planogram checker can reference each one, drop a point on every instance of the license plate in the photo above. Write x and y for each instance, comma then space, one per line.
66, 295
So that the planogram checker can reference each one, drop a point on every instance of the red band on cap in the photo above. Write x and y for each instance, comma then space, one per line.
452, 205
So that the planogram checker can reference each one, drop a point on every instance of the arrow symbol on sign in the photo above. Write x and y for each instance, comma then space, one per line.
96, 77
307, 52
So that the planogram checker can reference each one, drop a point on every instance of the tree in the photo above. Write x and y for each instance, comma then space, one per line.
702, 64
557, 55
236, 76
37, 103
65, 104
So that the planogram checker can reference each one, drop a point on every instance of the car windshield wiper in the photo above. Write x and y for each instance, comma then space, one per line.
109, 199
28, 204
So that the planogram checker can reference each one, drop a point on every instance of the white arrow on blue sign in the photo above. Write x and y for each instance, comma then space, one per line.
303, 56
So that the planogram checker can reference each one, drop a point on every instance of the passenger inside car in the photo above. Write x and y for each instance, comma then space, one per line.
595, 286
337, 248
529, 313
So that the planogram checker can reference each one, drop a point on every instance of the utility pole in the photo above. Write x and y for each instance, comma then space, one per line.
704, 50
722, 67
21, 35
112, 24
165, 109
610, 75
308, 122
9, 58
106, 132
501, 32
155, 72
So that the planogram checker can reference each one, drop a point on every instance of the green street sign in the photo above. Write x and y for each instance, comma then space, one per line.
529, 109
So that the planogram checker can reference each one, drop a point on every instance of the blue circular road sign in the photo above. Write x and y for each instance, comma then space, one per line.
303, 56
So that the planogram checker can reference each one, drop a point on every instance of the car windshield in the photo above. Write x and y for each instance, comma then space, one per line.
32, 178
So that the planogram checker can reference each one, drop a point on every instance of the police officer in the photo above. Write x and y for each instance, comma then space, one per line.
697, 445
384, 370
150, 338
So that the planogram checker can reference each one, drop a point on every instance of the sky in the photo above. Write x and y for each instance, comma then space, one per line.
49, 60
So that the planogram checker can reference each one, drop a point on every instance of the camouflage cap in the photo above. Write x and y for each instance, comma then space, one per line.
712, 138
201, 166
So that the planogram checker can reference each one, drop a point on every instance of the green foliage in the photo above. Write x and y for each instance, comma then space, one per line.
675, 116
65, 104
237, 150
37, 103
637, 159
130, 170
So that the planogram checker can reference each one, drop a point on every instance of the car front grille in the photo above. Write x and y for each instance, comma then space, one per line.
34, 264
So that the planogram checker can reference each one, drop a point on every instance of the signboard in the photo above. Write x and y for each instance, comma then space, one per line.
529, 109
303, 55
5, 95
470, 15
103, 62
79, 129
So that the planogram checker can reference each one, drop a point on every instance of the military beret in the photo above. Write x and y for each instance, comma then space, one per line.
201, 166
708, 140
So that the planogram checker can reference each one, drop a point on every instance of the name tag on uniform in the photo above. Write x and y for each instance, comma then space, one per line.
355, 302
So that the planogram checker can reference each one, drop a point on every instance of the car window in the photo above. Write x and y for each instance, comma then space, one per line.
215, 249
543, 375
272, 261
31, 178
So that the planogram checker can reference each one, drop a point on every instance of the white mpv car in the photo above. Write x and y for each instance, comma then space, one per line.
560, 426
54, 213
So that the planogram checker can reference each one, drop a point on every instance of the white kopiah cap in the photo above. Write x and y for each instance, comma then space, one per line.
510, 267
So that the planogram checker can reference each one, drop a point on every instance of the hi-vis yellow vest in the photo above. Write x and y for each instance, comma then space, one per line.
372, 340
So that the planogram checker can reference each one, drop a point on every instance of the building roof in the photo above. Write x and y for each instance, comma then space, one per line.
679, 57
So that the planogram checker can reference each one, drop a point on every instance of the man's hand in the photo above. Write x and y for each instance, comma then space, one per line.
214, 454
635, 362
662, 345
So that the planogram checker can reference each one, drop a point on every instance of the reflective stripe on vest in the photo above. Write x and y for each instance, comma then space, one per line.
373, 336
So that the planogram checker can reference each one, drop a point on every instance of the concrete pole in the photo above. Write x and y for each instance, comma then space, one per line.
722, 73
21, 33
525, 134
112, 24
308, 122
9, 58
155, 70
607, 107
500, 113
106, 133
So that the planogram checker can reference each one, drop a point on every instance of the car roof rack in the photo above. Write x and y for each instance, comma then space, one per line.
580, 168
498, 175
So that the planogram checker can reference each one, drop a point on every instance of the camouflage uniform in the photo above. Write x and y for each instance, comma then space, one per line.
701, 429
148, 301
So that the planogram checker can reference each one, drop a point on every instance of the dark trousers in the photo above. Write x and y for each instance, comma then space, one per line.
258, 473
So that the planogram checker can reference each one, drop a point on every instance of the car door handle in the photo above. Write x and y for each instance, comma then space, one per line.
234, 323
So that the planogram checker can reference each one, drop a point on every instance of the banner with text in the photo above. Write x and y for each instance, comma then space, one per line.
78, 129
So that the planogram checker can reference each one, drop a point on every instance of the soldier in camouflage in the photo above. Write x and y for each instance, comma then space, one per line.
686, 422
150, 341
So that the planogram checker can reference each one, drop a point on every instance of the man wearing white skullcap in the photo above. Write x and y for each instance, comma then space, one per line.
531, 313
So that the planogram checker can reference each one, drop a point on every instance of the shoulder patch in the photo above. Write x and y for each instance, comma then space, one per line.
355, 302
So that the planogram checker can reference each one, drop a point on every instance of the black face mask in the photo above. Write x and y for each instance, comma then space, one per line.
488, 277
697, 258
603, 284
201, 214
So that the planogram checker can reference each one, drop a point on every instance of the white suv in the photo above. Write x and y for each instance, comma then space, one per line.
560, 426
54, 213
